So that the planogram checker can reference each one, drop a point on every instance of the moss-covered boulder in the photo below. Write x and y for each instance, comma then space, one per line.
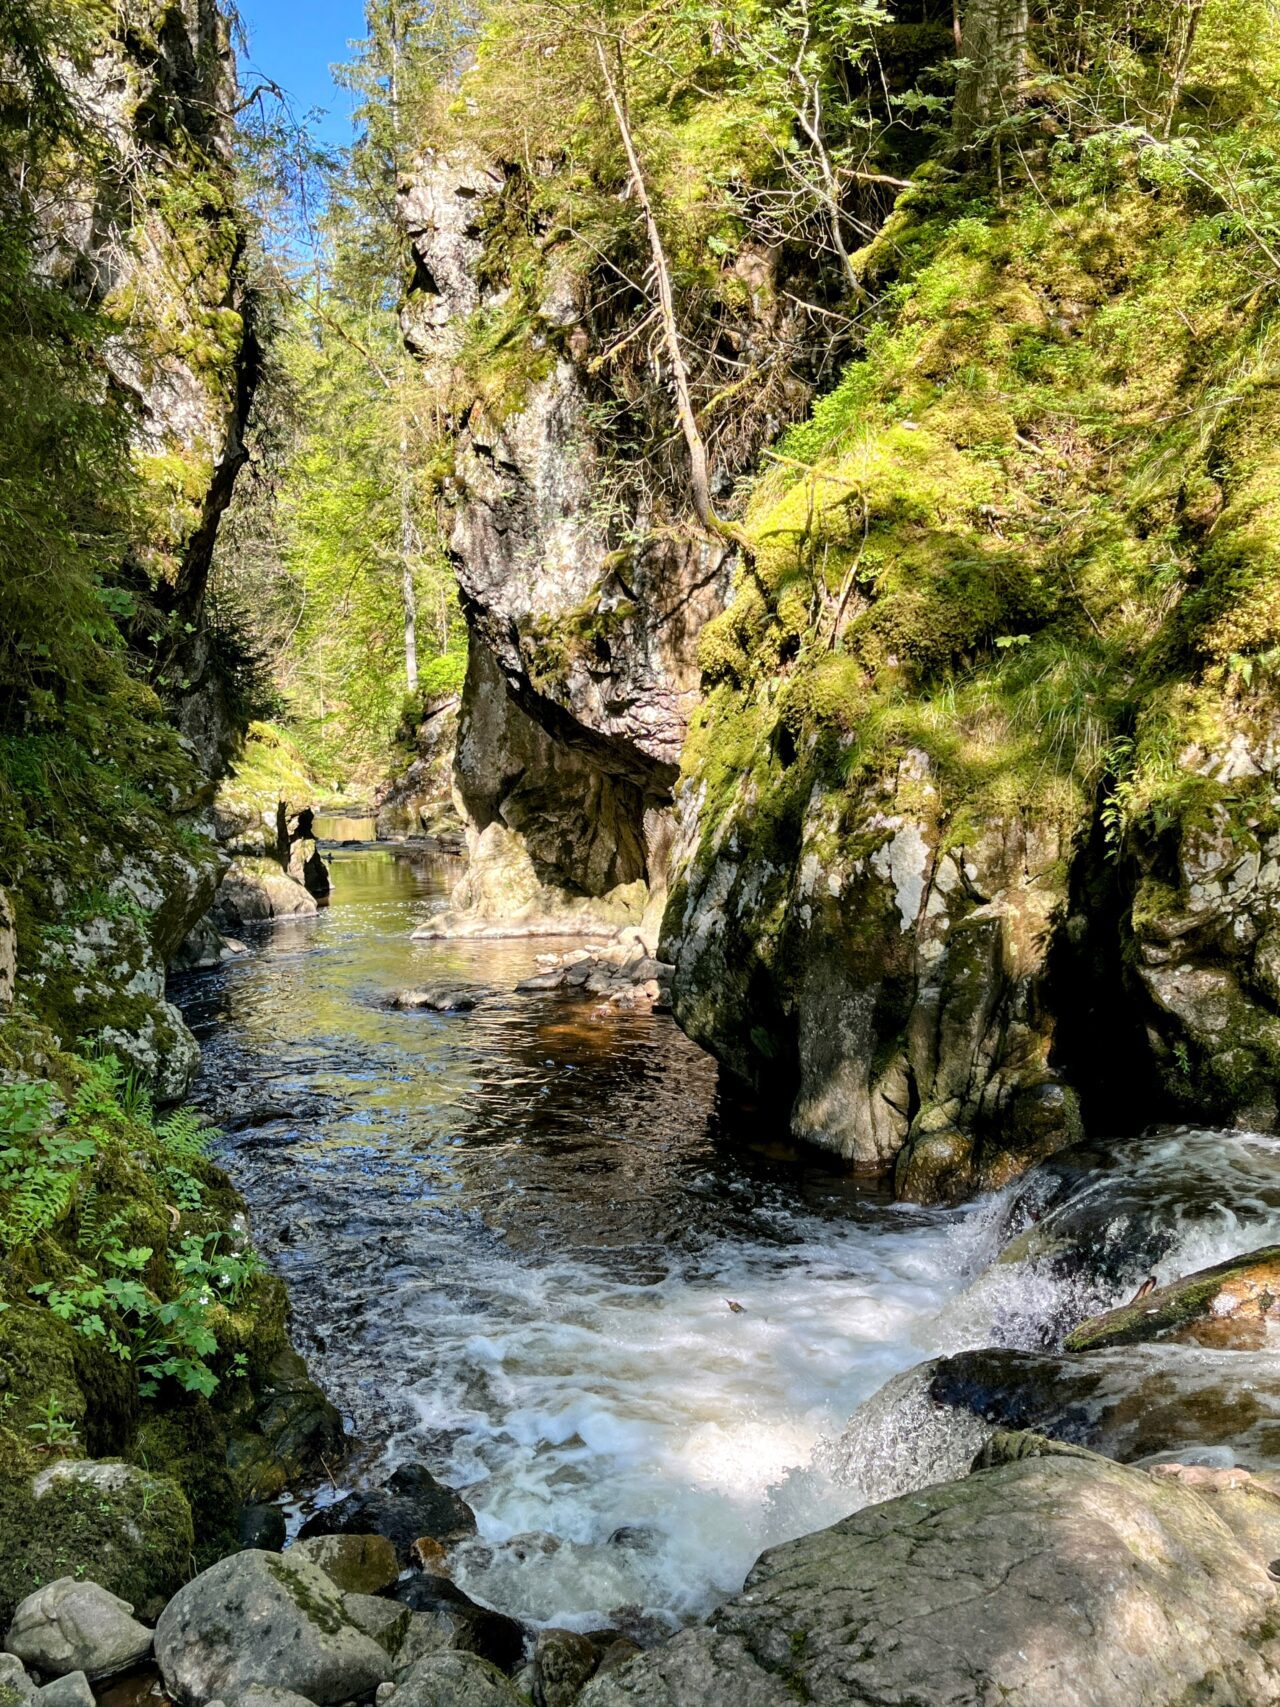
257, 1619
127, 1528
1228, 1305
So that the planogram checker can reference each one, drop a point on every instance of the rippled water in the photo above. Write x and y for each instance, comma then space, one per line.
512, 1238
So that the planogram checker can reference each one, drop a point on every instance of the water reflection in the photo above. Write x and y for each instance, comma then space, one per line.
511, 1236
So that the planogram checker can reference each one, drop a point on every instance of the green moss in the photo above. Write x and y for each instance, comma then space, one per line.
135, 1539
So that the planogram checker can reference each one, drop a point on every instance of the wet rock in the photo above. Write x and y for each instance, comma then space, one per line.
1229, 1304
1096, 1219
1051, 1579
447, 1618
262, 1528
203, 947
358, 1564
439, 998
256, 889
1127, 1402
456, 1680
412, 1504
73, 1690
71, 1626
255, 1618
626, 979
562, 1662
291, 1433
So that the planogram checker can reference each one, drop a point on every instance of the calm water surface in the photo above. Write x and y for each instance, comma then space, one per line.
512, 1236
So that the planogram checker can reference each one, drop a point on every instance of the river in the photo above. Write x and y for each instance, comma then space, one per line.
533, 1246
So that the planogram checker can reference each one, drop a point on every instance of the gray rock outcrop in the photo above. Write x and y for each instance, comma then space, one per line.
894, 979
1063, 1580
256, 889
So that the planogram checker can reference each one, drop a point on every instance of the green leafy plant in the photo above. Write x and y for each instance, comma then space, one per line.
52, 1429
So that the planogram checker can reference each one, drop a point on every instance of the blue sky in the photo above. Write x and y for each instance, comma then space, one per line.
295, 42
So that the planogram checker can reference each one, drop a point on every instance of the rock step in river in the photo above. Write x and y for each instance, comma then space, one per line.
531, 1246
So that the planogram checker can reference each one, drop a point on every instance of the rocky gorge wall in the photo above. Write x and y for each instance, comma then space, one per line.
965, 770
142, 229
150, 1395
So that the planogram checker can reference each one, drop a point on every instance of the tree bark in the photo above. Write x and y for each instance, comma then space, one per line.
699, 480
407, 592
993, 51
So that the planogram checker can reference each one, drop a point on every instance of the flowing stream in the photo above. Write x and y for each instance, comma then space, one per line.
531, 1246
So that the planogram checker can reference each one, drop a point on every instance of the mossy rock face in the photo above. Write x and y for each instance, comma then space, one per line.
37, 1372
1229, 1305
127, 1529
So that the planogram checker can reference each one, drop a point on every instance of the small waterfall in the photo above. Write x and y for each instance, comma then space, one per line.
900, 1440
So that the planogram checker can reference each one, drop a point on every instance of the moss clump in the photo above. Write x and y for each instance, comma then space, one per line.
125, 1528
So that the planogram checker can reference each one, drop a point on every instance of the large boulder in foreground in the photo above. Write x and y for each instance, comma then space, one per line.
456, 1680
255, 1619
1060, 1581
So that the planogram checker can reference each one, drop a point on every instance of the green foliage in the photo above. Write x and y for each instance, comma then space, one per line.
41, 1162
154, 1306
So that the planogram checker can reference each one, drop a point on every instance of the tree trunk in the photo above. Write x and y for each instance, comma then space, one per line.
407, 592
993, 51
699, 480
1183, 61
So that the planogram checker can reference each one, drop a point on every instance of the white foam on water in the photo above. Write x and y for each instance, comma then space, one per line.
658, 1410
630, 1443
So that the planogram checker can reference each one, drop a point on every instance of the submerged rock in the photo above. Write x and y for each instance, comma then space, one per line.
439, 998
624, 973
70, 1626
256, 1619
1228, 1305
412, 1504
1062, 1580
